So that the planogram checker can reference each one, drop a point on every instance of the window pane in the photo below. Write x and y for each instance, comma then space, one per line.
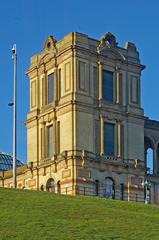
109, 139
107, 85
50, 88
50, 141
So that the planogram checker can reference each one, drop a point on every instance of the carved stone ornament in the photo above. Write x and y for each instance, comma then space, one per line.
107, 40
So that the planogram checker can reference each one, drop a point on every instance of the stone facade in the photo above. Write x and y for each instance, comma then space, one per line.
66, 140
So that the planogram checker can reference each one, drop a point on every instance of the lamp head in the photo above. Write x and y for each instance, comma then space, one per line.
14, 49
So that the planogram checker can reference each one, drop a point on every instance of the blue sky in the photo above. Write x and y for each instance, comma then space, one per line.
28, 23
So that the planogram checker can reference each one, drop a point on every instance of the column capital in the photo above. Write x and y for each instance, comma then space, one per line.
41, 121
101, 116
100, 62
117, 67
119, 121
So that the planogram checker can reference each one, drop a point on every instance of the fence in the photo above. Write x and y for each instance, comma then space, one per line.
117, 193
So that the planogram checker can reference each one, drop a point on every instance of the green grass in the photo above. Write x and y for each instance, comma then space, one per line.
41, 215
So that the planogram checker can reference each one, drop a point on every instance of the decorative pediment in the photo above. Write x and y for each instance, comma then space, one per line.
108, 47
50, 43
49, 50
108, 39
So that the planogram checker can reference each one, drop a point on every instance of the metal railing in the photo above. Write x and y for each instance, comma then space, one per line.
117, 194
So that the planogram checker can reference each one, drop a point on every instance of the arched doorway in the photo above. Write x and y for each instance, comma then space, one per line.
50, 185
109, 188
59, 187
149, 155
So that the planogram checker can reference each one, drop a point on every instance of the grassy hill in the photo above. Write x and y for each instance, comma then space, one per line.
40, 215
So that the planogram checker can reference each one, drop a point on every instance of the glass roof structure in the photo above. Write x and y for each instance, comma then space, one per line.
6, 162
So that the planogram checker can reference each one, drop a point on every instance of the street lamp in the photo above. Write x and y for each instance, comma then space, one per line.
14, 57
146, 184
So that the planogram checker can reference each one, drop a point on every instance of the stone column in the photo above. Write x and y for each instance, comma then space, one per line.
155, 161
42, 140
100, 80
43, 85
101, 135
54, 137
156, 193
59, 84
145, 160
119, 139
139, 90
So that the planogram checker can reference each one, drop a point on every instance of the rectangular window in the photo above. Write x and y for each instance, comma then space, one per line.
50, 95
50, 140
107, 85
109, 139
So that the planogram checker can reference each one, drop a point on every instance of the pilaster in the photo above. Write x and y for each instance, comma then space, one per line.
102, 135
100, 66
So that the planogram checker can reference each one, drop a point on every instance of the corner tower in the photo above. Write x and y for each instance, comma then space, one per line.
86, 123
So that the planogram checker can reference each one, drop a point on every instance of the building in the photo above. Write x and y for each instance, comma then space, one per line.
6, 162
6, 166
86, 129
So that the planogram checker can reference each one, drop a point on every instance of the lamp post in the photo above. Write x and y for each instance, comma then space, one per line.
146, 184
14, 57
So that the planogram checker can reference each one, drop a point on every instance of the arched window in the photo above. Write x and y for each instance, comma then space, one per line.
59, 187
150, 167
149, 156
109, 188
50, 185
96, 187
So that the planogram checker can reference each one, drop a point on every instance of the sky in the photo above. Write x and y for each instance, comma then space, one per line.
28, 23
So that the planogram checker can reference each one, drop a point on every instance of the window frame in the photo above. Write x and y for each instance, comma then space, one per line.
53, 86
108, 70
104, 138
50, 151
